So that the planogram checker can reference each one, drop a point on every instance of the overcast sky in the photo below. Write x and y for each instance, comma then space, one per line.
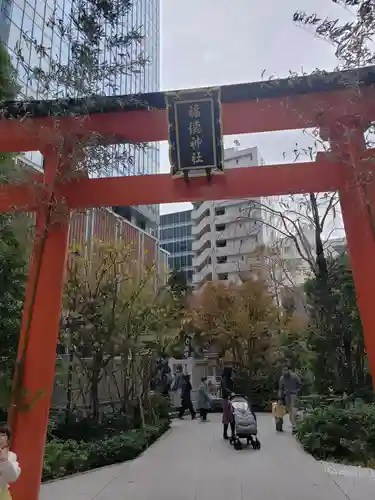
216, 42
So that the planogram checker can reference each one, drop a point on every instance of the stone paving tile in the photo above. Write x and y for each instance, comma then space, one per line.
358, 483
192, 462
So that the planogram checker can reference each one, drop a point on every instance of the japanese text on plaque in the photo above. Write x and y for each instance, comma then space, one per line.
195, 131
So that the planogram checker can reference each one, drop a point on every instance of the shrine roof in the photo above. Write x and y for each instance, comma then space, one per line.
269, 89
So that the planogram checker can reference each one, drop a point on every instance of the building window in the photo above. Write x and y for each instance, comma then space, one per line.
166, 234
221, 243
222, 259
17, 15
176, 263
219, 211
222, 276
220, 227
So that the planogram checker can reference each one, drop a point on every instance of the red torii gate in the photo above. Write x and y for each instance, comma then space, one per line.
341, 104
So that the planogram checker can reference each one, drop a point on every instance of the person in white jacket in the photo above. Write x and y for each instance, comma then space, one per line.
9, 467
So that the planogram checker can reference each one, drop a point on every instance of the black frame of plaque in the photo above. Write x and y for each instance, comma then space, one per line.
210, 99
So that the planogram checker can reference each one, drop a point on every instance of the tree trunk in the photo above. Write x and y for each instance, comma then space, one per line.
95, 408
68, 408
349, 379
321, 260
125, 388
94, 389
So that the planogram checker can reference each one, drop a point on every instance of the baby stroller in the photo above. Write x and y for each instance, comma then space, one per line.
246, 426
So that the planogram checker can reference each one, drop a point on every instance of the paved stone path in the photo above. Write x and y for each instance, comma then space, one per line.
192, 462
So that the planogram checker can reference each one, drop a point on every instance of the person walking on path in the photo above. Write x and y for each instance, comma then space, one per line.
204, 400
227, 388
186, 403
163, 377
289, 387
177, 386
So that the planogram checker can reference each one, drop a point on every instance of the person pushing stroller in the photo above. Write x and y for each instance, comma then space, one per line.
244, 425
227, 391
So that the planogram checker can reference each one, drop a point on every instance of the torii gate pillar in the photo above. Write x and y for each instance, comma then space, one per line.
357, 199
36, 358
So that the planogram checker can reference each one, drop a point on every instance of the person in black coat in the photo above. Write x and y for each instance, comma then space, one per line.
186, 403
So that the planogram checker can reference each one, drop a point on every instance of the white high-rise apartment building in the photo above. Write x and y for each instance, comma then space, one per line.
224, 238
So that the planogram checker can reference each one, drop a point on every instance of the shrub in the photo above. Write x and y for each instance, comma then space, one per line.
340, 434
63, 458
160, 406
337, 400
314, 401
110, 423
88, 429
125, 446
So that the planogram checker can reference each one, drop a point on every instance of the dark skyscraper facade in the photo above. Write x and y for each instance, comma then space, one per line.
176, 237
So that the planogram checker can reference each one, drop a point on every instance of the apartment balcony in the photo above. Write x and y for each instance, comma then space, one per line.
198, 212
198, 260
201, 228
205, 263
226, 218
207, 215
231, 267
236, 247
199, 243
235, 230
202, 248
204, 275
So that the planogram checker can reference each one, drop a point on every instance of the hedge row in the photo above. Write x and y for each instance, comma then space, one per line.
65, 457
344, 435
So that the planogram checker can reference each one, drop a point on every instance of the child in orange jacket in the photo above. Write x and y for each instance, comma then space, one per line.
278, 412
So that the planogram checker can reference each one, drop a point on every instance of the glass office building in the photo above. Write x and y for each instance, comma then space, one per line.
30, 17
175, 236
5, 10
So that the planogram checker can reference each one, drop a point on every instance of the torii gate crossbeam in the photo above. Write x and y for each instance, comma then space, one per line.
342, 111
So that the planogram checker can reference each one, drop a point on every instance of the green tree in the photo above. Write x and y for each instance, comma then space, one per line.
178, 283
180, 292
340, 360
241, 322
12, 291
8, 82
12, 255
113, 311
8, 90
